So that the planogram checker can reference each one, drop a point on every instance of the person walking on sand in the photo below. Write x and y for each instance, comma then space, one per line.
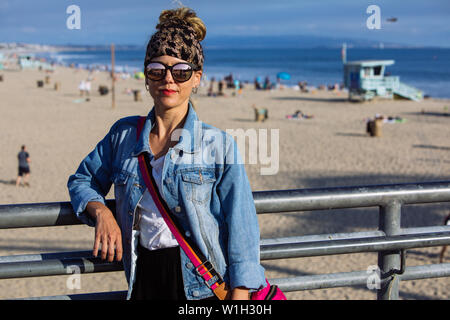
211, 199
24, 167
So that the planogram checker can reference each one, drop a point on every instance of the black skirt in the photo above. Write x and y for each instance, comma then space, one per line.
158, 275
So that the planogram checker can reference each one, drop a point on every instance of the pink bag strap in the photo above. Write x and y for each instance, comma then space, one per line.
203, 267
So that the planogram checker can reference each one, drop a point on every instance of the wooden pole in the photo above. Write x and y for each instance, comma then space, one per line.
112, 77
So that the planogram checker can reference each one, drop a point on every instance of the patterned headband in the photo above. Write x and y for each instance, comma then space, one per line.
177, 39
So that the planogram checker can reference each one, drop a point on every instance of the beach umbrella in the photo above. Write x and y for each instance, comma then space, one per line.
283, 76
139, 75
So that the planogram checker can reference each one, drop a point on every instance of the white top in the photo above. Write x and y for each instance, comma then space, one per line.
154, 232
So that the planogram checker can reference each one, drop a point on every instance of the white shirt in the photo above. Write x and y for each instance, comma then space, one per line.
154, 232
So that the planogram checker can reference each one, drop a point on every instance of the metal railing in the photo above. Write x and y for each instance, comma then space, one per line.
390, 240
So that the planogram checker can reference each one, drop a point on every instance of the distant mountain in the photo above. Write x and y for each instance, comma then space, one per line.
99, 47
295, 41
230, 42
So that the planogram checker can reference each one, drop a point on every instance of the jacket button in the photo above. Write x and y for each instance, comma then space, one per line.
177, 209
130, 213
195, 293
189, 265
188, 234
172, 156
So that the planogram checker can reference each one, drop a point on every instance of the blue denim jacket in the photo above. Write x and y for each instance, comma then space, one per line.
204, 185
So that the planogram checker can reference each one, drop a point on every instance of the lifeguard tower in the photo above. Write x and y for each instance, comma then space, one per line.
367, 79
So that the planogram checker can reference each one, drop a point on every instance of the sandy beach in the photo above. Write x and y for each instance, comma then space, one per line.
332, 149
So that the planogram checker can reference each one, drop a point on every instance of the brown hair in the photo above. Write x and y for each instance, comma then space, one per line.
184, 14
178, 34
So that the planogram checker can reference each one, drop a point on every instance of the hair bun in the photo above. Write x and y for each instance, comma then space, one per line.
183, 16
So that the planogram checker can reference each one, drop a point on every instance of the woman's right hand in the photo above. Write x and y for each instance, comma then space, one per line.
107, 232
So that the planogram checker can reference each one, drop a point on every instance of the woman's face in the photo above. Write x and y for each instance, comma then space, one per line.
168, 93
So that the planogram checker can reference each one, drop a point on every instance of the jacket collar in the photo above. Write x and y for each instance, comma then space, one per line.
188, 141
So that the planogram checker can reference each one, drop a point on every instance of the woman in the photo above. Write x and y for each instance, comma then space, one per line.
197, 170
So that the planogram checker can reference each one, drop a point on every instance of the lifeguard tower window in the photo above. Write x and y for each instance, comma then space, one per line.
366, 72
377, 71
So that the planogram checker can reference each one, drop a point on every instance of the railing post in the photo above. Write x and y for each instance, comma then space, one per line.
389, 261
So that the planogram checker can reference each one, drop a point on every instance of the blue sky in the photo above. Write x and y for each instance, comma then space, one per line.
132, 21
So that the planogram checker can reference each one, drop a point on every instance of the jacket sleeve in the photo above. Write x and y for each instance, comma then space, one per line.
91, 181
237, 202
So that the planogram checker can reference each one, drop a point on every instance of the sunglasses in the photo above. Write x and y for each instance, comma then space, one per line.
181, 71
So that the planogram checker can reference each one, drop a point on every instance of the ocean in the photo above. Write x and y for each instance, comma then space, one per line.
427, 69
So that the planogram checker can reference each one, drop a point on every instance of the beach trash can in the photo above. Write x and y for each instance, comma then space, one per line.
374, 127
377, 127
40, 83
103, 90
57, 85
47, 79
137, 95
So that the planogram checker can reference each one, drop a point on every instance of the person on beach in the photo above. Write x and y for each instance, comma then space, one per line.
24, 167
85, 86
210, 198
444, 248
82, 87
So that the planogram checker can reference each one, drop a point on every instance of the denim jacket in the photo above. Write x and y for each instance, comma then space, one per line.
204, 185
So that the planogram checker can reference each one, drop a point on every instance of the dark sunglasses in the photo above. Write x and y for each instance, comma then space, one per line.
181, 71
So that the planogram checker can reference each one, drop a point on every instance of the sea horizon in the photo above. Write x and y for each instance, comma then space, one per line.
426, 68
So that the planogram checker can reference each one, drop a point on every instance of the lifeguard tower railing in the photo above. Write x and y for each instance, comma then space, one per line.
390, 85
390, 240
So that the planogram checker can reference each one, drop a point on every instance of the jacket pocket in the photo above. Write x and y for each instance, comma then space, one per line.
120, 180
198, 184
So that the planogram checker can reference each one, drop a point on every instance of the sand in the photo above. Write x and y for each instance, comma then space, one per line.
332, 149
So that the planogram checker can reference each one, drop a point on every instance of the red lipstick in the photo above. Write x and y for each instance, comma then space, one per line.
168, 92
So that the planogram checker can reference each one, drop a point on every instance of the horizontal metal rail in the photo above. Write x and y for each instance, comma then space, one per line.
350, 197
310, 282
55, 267
61, 213
332, 247
357, 278
62, 264
112, 295
390, 241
